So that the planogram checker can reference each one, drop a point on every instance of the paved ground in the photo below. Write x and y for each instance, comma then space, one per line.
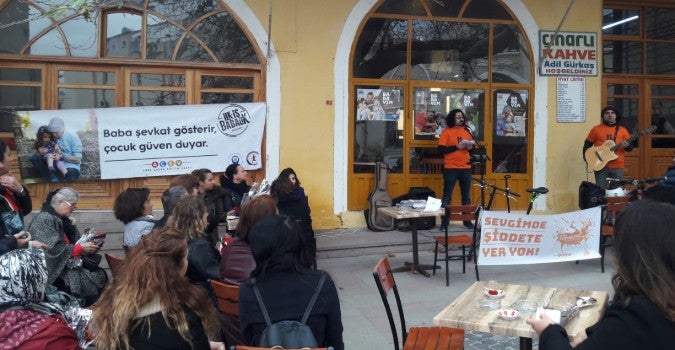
349, 257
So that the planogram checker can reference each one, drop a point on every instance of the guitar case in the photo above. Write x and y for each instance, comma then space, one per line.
379, 198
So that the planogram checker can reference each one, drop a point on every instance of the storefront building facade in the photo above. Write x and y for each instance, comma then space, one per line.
349, 83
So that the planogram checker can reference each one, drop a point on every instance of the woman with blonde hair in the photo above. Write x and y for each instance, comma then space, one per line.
189, 216
152, 305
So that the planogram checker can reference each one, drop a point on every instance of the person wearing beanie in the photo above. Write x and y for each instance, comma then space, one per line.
609, 129
71, 152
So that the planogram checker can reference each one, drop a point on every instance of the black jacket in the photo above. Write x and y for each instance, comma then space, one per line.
640, 326
232, 193
203, 263
161, 336
296, 206
286, 295
25, 205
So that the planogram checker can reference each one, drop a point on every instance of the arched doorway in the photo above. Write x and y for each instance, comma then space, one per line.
411, 63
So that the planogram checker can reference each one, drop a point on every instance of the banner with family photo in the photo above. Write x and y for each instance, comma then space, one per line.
515, 239
113, 143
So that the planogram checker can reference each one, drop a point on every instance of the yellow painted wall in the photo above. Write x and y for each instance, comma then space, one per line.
565, 167
305, 34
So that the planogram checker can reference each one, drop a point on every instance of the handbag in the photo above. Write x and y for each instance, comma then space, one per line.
91, 261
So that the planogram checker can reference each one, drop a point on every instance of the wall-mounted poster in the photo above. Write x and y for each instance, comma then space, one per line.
378, 104
378, 127
432, 105
510, 113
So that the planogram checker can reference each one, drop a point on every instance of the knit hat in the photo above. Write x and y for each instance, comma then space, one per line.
55, 125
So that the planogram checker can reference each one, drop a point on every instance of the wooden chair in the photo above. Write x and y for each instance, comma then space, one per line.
444, 338
613, 207
246, 347
458, 213
115, 264
227, 297
432, 165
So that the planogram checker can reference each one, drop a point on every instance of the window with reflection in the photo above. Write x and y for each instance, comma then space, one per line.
166, 30
157, 98
449, 51
86, 77
381, 49
447, 55
149, 79
663, 116
621, 22
622, 57
20, 89
75, 98
123, 34
378, 127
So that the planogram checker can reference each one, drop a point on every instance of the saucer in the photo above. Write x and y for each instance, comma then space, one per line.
494, 293
508, 314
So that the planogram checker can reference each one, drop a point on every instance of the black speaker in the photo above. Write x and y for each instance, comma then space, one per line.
590, 195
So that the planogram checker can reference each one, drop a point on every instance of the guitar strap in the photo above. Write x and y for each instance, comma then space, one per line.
616, 131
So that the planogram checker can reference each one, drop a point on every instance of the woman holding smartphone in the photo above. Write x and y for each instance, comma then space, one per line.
15, 202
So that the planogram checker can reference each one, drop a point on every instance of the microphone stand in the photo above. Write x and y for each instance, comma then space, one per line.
479, 159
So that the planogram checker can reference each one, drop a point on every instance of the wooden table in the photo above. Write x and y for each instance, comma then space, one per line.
465, 312
412, 215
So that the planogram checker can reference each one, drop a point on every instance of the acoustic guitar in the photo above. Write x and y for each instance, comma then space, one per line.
598, 156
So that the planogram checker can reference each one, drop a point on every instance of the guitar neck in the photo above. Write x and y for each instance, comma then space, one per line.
633, 137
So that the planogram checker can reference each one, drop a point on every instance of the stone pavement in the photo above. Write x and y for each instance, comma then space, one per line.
349, 255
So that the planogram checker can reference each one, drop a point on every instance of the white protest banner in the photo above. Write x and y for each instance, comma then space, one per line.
156, 141
515, 239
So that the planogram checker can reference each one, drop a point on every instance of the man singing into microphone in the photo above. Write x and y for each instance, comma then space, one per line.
454, 144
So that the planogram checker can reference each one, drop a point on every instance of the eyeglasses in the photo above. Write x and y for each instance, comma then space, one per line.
74, 206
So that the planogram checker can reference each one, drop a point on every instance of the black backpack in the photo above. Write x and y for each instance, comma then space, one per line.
288, 334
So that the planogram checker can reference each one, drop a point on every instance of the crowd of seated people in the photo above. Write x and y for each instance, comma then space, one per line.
173, 258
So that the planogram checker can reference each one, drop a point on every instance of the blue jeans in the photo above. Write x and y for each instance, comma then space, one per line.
40, 165
450, 176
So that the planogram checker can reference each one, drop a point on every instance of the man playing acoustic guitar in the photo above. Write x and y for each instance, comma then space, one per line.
609, 129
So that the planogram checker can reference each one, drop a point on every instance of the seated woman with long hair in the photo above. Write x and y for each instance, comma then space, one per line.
642, 312
152, 305
189, 216
292, 201
237, 261
286, 285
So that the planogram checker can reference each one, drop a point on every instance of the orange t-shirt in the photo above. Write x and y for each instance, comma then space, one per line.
601, 133
458, 159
